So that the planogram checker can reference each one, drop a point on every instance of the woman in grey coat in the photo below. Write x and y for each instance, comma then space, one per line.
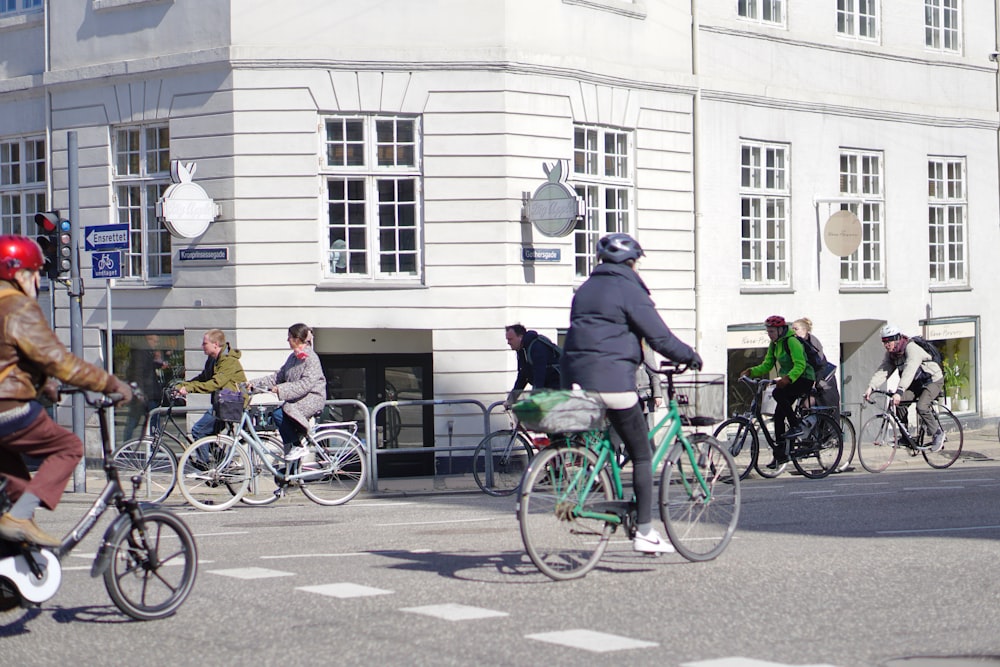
301, 386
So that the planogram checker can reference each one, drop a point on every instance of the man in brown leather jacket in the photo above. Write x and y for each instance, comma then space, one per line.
30, 353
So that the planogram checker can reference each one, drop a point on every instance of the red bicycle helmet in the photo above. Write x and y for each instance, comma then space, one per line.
775, 321
19, 252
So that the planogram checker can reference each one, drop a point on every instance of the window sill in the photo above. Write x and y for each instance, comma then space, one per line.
766, 289
862, 289
18, 21
632, 9
329, 285
937, 289
104, 5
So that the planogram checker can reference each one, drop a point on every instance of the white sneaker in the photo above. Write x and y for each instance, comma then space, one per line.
296, 453
651, 543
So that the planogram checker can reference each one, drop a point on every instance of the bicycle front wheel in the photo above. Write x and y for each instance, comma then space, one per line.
153, 570
953, 440
214, 473
511, 453
558, 496
341, 465
262, 487
877, 443
699, 497
156, 465
850, 443
819, 452
739, 437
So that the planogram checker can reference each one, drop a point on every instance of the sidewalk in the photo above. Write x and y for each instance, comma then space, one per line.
981, 445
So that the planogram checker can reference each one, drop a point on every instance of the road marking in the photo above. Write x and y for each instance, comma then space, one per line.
434, 523
590, 640
235, 532
812, 492
936, 530
744, 662
455, 612
340, 555
343, 590
252, 573
932, 488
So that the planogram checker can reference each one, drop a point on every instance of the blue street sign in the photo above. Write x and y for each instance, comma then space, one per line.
106, 264
107, 237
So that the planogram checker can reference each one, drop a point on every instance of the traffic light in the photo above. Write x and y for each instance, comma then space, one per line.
48, 224
57, 243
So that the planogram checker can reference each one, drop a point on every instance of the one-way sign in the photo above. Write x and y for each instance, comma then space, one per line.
107, 237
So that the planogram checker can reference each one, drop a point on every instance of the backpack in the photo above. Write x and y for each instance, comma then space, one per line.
556, 355
930, 348
822, 369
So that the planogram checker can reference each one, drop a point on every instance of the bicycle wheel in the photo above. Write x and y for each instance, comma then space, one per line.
152, 572
560, 539
156, 465
739, 437
700, 518
850, 443
511, 453
764, 458
877, 443
214, 473
262, 486
953, 440
818, 453
342, 468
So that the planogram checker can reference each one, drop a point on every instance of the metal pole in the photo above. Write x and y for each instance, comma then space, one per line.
76, 299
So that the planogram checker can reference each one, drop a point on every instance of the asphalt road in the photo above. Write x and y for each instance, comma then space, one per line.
853, 570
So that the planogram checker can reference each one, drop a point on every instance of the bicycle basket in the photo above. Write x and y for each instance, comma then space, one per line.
262, 417
229, 406
701, 398
560, 411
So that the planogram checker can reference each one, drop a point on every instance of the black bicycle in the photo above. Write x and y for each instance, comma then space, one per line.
154, 455
147, 556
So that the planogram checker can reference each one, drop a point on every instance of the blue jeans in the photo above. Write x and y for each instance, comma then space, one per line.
288, 428
205, 426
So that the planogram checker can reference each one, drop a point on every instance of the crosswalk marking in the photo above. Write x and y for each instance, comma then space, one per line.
737, 661
591, 640
252, 573
343, 590
455, 612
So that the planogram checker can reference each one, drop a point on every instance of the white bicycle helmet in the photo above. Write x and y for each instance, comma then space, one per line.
890, 332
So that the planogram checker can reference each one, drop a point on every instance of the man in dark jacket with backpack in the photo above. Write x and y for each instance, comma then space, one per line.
537, 361
920, 377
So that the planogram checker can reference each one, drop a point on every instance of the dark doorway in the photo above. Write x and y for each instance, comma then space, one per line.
375, 378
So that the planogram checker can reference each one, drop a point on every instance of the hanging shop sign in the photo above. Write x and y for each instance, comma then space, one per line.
554, 207
185, 208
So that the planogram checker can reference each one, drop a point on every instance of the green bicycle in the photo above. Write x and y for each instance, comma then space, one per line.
572, 497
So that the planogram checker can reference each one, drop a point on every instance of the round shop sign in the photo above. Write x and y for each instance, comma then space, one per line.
555, 206
185, 208
842, 233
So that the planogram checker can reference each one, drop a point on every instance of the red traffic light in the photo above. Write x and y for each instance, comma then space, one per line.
48, 221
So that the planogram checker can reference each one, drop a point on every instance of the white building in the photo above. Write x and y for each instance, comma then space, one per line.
369, 162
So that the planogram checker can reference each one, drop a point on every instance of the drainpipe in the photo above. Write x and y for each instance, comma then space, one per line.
695, 170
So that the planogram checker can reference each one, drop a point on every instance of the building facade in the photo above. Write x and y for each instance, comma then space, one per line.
372, 167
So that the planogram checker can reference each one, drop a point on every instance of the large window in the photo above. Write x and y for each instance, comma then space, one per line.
858, 19
764, 203
141, 175
372, 169
602, 177
946, 210
763, 11
861, 177
22, 184
942, 31
10, 7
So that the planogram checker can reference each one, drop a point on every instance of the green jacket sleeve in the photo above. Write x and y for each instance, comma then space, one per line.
228, 374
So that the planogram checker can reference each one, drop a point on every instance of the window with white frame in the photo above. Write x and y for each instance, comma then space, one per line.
941, 25
764, 204
22, 184
858, 19
141, 174
11, 7
602, 177
373, 181
947, 212
861, 177
763, 11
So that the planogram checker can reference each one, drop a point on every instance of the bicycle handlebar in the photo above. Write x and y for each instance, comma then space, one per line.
98, 400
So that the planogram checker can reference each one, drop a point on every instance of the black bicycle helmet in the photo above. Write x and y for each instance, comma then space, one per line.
618, 248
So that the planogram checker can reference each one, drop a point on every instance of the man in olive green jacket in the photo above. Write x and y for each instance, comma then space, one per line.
222, 371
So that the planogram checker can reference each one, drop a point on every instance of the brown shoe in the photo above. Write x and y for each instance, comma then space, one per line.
25, 530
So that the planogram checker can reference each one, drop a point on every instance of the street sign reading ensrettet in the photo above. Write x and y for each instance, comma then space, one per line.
107, 237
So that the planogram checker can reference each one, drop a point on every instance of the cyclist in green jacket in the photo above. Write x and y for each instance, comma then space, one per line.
795, 378
223, 370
